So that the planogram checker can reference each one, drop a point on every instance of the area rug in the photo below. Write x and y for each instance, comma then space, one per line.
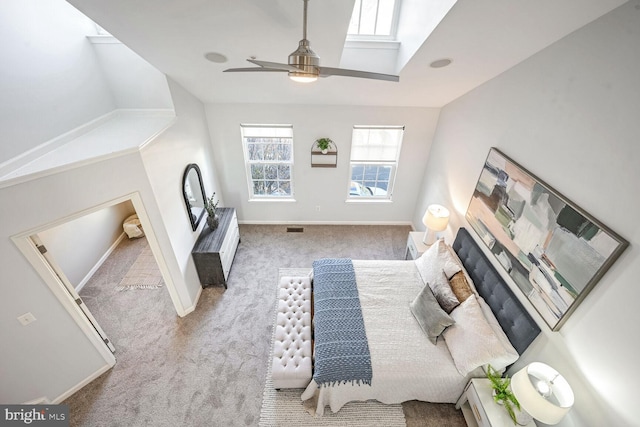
143, 274
284, 408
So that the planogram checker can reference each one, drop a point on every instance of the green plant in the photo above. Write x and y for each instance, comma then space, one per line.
324, 143
502, 392
210, 206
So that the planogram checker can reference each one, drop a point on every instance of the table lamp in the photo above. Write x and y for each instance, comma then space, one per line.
436, 218
542, 392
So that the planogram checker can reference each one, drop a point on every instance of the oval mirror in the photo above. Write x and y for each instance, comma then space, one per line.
194, 195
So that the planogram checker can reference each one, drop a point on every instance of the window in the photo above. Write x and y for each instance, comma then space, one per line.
268, 155
374, 19
374, 160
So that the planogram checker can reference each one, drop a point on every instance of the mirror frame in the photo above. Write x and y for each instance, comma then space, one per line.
195, 220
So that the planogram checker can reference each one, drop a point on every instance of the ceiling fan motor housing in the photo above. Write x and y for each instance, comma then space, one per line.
305, 59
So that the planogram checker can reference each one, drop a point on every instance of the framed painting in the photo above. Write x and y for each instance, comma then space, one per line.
554, 251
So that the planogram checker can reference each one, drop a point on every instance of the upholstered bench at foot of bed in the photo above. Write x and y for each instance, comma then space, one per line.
291, 366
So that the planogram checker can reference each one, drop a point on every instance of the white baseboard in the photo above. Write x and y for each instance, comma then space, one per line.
100, 262
409, 223
82, 383
191, 308
39, 401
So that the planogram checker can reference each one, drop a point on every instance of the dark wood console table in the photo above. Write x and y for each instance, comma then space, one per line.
214, 251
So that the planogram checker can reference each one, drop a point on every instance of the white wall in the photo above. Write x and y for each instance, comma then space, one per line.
50, 79
187, 141
51, 83
79, 245
133, 82
51, 355
570, 115
324, 187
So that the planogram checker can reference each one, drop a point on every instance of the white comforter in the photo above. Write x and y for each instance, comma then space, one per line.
406, 365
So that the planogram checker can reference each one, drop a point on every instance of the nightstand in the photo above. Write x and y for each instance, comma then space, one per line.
415, 247
480, 410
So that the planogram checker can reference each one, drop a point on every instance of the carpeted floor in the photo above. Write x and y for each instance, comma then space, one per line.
209, 368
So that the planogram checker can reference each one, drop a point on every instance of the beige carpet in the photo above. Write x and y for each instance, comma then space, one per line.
143, 274
209, 368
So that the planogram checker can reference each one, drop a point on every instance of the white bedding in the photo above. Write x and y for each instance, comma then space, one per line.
405, 364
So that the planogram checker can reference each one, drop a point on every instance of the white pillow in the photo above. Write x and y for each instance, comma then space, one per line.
511, 354
434, 261
471, 340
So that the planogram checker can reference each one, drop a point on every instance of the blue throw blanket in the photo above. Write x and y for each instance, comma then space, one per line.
341, 347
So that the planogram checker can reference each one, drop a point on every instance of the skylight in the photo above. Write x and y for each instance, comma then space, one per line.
374, 19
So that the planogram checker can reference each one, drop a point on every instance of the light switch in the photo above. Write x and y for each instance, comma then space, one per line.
26, 318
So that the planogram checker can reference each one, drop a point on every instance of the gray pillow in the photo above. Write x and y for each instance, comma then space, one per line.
430, 316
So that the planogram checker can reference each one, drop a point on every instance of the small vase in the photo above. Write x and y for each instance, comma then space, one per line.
213, 222
325, 151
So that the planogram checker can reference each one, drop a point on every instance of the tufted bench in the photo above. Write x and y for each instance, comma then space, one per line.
291, 366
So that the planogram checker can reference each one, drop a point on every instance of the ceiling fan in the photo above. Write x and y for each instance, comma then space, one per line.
304, 64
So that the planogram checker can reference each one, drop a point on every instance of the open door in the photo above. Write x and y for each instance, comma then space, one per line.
70, 289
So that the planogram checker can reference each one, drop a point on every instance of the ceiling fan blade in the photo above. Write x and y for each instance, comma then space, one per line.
236, 70
328, 71
274, 65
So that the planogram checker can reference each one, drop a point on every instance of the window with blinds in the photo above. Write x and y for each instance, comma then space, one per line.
374, 160
268, 155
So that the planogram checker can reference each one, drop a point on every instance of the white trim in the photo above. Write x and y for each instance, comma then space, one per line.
100, 262
32, 154
368, 199
303, 223
9, 170
191, 308
25, 244
273, 199
103, 39
37, 260
81, 384
44, 400
372, 44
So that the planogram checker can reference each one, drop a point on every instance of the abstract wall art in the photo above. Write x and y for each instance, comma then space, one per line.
553, 250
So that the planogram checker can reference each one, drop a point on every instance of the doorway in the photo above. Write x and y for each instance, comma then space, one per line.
30, 244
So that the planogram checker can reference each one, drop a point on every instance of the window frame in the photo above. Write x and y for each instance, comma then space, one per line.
393, 31
248, 162
394, 164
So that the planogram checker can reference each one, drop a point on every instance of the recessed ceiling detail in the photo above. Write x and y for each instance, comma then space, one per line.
440, 63
216, 57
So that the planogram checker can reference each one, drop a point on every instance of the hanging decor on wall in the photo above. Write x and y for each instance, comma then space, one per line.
554, 251
324, 153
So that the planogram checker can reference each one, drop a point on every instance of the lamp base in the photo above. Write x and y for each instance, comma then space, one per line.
429, 238
522, 417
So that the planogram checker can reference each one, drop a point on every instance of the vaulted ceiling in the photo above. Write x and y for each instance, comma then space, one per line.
482, 37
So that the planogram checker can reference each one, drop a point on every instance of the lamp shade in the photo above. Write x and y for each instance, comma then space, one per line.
436, 218
542, 392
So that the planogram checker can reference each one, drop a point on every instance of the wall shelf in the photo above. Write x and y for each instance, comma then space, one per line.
320, 160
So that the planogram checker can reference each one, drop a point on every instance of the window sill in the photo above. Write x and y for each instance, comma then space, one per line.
367, 200
372, 44
274, 199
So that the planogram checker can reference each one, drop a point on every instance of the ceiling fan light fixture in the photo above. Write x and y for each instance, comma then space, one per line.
302, 77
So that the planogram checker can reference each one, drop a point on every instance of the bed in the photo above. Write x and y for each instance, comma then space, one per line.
406, 361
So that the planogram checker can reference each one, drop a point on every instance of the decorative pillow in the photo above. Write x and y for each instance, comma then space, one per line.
429, 315
471, 340
443, 293
457, 260
511, 354
435, 260
460, 286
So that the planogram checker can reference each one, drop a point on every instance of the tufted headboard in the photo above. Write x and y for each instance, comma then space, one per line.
511, 314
